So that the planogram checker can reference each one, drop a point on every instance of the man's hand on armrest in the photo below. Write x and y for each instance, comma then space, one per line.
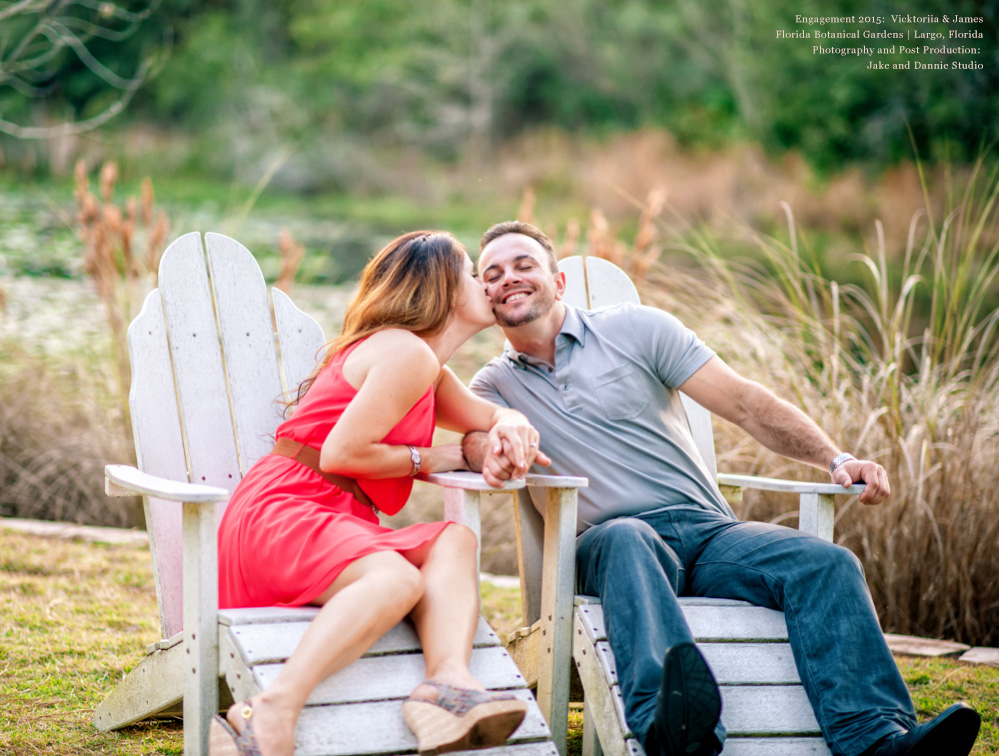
494, 464
864, 471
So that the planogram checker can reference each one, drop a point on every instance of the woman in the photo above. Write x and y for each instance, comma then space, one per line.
301, 527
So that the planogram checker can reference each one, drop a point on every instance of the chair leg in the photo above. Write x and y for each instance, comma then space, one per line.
154, 686
591, 741
153, 690
557, 595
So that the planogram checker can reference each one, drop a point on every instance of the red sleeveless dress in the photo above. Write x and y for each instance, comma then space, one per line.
287, 533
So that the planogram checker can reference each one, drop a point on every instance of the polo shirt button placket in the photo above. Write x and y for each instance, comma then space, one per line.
570, 400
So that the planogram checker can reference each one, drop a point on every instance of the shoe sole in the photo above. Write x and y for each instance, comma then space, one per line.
222, 738
693, 703
483, 726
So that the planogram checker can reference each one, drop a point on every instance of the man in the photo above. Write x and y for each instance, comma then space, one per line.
602, 388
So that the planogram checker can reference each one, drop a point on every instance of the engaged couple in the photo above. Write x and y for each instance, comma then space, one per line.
583, 393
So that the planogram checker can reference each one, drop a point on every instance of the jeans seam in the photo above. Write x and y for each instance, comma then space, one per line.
794, 614
679, 540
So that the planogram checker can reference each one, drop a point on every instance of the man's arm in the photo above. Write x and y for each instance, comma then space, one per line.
779, 426
475, 447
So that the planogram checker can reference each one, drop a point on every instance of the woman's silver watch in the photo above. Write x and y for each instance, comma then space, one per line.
416, 459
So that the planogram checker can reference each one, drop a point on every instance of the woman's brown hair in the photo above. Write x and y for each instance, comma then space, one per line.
412, 283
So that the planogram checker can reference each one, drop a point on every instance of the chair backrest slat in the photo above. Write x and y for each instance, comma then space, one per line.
197, 363
301, 339
699, 420
207, 383
159, 448
575, 282
606, 284
247, 336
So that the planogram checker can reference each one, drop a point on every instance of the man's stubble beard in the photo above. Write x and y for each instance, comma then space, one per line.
543, 304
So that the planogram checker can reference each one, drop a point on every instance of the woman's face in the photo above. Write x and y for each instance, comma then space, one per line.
472, 304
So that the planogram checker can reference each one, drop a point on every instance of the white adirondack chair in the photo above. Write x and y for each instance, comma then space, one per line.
764, 707
210, 353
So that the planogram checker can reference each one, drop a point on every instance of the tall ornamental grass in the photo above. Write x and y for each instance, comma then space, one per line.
64, 416
121, 254
57, 431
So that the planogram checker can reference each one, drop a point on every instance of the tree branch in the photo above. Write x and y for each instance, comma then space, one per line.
21, 7
66, 38
46, 28
77, 127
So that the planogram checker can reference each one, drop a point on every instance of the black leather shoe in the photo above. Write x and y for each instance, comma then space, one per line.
952, 733
687, 708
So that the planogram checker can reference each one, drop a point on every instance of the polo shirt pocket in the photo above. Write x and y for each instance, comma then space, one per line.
620, 392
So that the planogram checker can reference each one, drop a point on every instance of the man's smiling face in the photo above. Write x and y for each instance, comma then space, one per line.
519, 283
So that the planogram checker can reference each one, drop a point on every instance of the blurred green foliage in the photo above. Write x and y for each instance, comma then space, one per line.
456, 77
67, 60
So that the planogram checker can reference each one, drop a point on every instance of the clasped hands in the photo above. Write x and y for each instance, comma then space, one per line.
512, 448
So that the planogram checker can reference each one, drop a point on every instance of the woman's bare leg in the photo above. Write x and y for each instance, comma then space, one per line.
448, 613
445, 619
367, 599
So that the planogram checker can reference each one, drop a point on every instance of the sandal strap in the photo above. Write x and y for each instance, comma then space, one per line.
246, 741
459, 701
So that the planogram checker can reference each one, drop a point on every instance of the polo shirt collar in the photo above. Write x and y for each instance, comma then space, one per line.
572, 327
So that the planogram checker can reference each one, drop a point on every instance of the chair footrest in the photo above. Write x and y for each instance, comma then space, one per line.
764, 707
358, 709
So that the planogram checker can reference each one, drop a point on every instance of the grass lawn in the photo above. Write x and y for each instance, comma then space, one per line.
75, 616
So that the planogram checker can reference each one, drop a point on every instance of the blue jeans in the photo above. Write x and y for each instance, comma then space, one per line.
639, 565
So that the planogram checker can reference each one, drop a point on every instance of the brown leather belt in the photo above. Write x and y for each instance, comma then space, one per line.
309, 456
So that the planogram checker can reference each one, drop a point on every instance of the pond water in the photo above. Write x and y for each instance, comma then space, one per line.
47, 302
38, 235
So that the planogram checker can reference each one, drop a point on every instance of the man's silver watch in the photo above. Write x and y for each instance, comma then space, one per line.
838, 460
414, 456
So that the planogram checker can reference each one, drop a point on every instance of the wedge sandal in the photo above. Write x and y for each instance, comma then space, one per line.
462, 719
223, 740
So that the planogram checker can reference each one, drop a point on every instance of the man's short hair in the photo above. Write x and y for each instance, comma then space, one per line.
526, 229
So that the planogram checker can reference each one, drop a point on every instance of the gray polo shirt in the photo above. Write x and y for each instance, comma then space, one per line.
609, 410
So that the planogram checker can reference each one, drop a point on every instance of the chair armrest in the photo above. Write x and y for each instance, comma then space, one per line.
473, 481
470, 481
790, 486
200, 587
817, 511
125, 480
556, 481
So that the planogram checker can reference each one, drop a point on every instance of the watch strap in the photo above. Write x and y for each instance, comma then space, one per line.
838, 460
416, 459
